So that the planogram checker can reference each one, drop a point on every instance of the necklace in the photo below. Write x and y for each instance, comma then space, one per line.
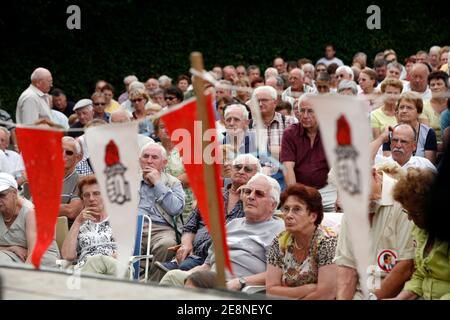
296, 246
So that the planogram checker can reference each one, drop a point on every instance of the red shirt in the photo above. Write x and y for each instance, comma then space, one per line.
311, 166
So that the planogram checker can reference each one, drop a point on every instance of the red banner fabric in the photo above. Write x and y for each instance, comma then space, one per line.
182, 125
44, 165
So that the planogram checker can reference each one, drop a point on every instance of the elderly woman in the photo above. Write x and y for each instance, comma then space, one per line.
300, 259
90, 241
431, 279
17, 227
408, 110
139, 99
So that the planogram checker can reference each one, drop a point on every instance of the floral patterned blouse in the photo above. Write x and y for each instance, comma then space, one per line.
294, 273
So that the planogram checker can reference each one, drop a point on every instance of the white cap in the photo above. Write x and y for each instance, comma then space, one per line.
7, 181
82, 103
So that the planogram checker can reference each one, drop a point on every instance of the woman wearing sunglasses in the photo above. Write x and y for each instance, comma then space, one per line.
139, 99
431, 279
300, 259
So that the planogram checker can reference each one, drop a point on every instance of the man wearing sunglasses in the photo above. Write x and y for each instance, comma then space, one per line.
247, 237
71, 204
196, 240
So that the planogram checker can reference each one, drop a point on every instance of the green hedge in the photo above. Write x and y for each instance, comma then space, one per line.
150, 38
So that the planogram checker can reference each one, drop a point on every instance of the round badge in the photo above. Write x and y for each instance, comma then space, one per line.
387, 260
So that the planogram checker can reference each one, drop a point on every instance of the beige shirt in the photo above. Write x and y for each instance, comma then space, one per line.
390, 234
32, 105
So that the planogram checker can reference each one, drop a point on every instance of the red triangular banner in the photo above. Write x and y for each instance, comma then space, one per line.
44, 165
185, 117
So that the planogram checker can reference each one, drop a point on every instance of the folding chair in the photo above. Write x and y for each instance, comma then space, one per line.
135, 260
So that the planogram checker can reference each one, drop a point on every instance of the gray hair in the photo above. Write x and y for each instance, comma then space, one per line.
347, 84
238, 106
247, 158
303, 98
131, 78
75, 142
266, 89
435, 49
270, 72
136, 85
348, 70
154, 144
6, 131
164, 79
394, 64
275, 189
308, 66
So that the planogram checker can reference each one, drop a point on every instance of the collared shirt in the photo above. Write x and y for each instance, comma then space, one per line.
291, 97
170, 199
426, 95
32, 105
390, 232
13, 163
276, 128
202, 240
311, 166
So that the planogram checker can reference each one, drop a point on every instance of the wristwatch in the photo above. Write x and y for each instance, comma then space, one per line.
242, 282
372, 296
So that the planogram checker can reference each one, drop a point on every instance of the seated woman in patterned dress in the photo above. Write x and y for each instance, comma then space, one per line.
90, 241
300, 259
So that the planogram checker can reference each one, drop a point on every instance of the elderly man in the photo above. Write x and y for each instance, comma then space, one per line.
297, 88
344, 73
12, 161
380, 67
390, 233
253, 73
71, 204
280, 65
126, 81
274, 124
434, 57
278, 84
248, 238
303, 155
237, 134
85, 113
34, 102
162, 198
60, 102
419, 81
151, 84
230, 74
403, 145
196, 240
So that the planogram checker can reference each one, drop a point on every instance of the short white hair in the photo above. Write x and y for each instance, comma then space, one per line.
164, 79
275, 189
247, 158
270, 72
347, 84
131, 78
435, 49
303, 98
74, 141
6, 131
266, 89
136, 85
239, 107
154, 144
348, 70
308, 66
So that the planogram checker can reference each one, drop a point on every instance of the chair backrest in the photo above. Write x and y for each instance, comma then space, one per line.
62, 229
142, 222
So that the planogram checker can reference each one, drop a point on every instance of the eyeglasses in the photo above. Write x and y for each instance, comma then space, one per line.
68, 152
169, 98
99, 104
136, 100
247, 169
94, 194
263, 100
295, 210
258, 193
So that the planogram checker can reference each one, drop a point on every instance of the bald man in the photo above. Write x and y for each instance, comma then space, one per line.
34, 102
419, 81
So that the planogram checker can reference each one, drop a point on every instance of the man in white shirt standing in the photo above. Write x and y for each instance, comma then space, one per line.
330, 57
34, 102
403, 145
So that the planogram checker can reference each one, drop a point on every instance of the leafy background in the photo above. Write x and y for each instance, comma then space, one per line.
150, 38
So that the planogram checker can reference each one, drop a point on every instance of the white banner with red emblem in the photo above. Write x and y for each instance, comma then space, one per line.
114, 156
345, 132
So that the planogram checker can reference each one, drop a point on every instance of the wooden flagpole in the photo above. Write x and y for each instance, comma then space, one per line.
208, 171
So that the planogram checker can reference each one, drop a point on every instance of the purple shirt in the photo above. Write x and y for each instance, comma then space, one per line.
311, 167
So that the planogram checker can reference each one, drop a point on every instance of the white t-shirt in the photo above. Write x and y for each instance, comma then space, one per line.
413, 162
